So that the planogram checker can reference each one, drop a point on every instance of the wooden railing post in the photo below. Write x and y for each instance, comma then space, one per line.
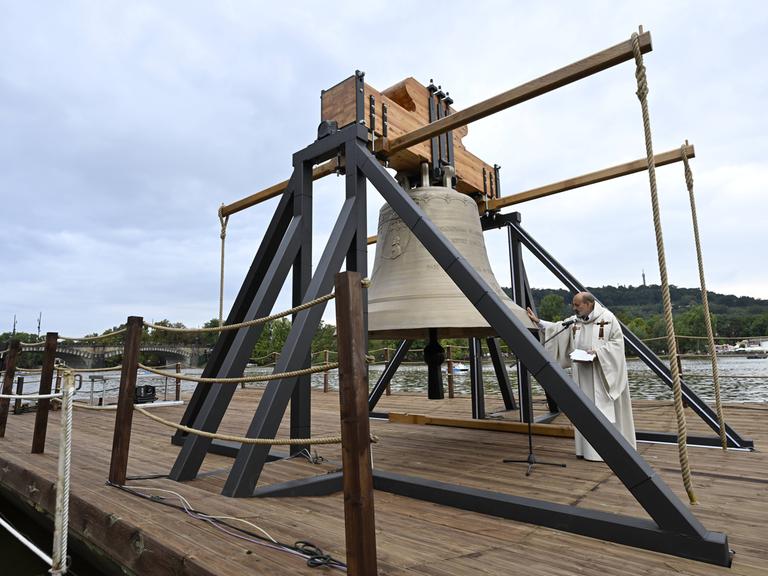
19, 392
121, 440
325, 374
359, 523
449, 368
178, 382
46, 380
14, 348
387, 391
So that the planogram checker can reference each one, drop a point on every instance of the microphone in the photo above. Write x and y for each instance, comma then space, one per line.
568, 323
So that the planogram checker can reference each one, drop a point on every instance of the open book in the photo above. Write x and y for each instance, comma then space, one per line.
579, 355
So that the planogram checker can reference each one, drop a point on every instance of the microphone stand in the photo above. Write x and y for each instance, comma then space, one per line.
531, 460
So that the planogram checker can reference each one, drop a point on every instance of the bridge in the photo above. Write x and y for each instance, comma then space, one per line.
95, 356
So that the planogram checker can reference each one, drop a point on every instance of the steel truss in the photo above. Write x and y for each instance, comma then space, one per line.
287, 244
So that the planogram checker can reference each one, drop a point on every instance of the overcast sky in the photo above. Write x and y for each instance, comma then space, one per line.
124, 125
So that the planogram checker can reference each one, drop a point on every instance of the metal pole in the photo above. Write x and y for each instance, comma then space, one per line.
359, 526
449, 368
178, 382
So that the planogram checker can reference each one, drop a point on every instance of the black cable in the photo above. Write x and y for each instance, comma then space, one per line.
316, 558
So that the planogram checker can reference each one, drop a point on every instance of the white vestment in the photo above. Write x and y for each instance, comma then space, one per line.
604, 380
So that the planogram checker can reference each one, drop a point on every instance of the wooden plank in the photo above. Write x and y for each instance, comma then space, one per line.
359, 525
46, 381
11, 356
617, 171
121, 439
559, 430
321, 171
557, 79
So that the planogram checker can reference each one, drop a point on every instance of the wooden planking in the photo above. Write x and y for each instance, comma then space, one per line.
412, 537
338, 104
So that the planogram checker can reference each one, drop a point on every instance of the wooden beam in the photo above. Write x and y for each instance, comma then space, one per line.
617, 171
121, 440
592, 178
557, 79
318, 172
359, 525
46, 381
560, 430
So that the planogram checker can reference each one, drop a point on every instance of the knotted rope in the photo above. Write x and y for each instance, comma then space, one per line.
705, 301
223, 220
244, 439
682, 434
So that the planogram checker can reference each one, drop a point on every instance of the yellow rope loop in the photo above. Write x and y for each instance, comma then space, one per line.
247, 324
705, 301
682, 434
243, 379
366, 282
244, 439
370, 359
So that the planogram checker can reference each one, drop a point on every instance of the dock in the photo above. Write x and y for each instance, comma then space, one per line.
413, 537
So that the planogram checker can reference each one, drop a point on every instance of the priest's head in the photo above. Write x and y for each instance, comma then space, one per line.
583, 304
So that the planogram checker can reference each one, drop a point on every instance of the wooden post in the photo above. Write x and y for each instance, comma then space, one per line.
14, 348
121, 440
449, 368
178, 382
359, 525
386, 361
19, 392
46, 381
325, 374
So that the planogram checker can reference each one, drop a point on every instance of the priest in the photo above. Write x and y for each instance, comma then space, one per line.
593, 347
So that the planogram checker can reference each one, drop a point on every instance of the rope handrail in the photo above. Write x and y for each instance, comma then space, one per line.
108, 369
682, 434
245, 439
247, 324
243, 379
92, 338
30, 396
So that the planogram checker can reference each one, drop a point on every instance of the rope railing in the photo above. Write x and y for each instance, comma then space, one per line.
682, 434
243, 379
245, 439
247, 324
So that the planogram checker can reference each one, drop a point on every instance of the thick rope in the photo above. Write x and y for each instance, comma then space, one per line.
61, 519
112, 369
241, 380
30, 396
243, 439
705, 301
682, 434
254, 322
223, 220
91, 338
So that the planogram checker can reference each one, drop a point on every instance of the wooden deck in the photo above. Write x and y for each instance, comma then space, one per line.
413, 537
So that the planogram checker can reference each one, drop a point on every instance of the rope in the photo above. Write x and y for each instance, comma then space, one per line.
682, 434
91, 338
223, 220
112, 369
30, 396
61, 520
259, 378
243, 439
705, 301
254, 322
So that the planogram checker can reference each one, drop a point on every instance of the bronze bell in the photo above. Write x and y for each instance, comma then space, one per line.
410, 293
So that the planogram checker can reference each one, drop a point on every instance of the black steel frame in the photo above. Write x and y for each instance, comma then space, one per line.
673, 528
517, 237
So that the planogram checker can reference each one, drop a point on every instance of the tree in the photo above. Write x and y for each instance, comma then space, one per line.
551, 308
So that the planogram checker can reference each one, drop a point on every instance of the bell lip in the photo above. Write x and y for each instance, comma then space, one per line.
423, 333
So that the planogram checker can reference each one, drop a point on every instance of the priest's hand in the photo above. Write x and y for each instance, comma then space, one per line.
532, 316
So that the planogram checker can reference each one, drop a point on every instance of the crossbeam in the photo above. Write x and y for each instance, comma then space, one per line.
609, 173
586, 67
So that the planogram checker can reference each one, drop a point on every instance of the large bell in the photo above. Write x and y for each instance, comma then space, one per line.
410, 293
